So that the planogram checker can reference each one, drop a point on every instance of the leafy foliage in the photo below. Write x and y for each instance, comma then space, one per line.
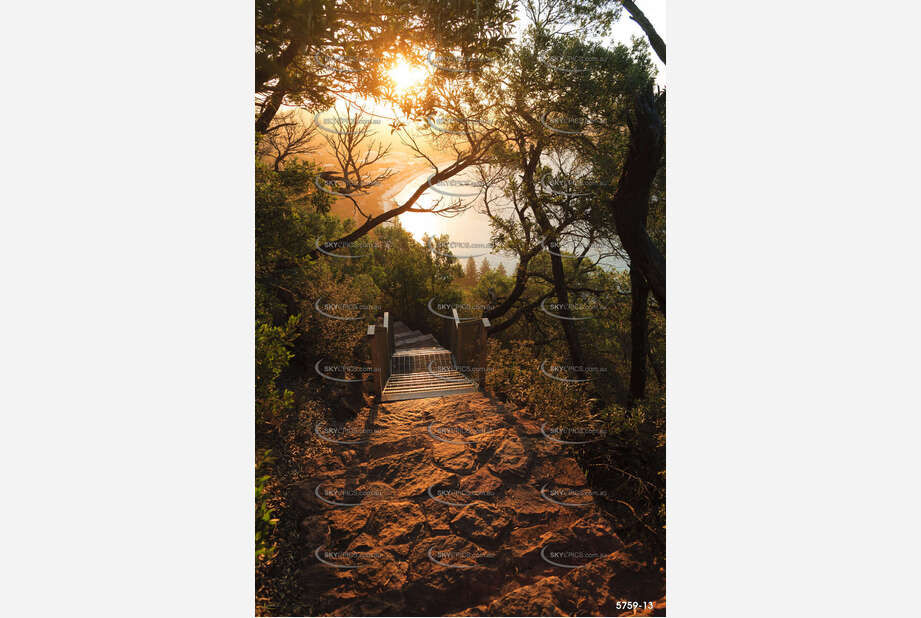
266, 547
272, 355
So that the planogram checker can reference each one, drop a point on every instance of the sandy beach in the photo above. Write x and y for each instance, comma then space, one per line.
380, 198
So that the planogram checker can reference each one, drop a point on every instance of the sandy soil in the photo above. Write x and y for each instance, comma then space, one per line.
385, 545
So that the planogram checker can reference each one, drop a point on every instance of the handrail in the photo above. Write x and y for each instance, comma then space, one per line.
467, 342
466, 339
380, 340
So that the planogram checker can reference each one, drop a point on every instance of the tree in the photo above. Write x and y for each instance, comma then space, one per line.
500, 269
491, 287
470, 271
630, 203
309, 52
350, 139
484, 268
444, 268
287, 137
658, 45
644, 118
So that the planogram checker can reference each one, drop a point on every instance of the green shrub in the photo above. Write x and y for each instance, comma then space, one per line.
273, 345
266, 547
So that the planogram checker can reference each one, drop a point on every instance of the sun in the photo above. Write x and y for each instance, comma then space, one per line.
406, 76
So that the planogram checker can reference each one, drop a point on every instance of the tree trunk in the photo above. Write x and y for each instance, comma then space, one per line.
569, 326
266, 73
631, 201
556, 262
658, 45
370, 224
559, 287
639, 333
269, 110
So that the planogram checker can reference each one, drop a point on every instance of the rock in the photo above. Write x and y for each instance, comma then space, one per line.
479, 610
337, 524
368, 607
435, 589
483, 445
524, 545
454, 457
439, 519
561, 471
396, 522
530, 508
595, 532
526, 427
616, 577
497, 476
510, 460
538, 599
409, 473
482, 523
482, 485
385, 447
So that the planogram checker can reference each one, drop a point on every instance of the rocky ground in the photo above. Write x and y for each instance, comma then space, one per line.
459, 506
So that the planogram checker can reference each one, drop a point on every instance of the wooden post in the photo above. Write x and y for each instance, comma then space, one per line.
455, 337
374, 341
380, 341
386, 350
481, 350
467, 341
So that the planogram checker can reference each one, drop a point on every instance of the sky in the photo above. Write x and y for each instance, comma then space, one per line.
625, 28
473, 226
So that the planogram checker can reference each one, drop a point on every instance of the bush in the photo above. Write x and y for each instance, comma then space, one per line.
273, 345
266, 548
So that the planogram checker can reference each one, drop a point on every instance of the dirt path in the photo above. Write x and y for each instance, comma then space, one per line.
452, 506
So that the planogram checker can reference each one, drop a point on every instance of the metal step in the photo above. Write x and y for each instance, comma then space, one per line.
419, 361
419, 385
419, 351
407, 380
411, 377
410, 339
400, 329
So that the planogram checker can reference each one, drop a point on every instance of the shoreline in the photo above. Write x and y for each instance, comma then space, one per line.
399, 186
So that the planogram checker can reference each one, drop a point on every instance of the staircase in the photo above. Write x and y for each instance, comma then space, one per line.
420, 367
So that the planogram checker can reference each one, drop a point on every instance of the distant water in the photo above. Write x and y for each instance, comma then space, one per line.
469, 231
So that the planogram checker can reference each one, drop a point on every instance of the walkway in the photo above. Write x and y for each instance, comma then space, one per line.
461, 506
421, 367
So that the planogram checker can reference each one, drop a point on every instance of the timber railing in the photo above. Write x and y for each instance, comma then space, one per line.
380, 340
467, 341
